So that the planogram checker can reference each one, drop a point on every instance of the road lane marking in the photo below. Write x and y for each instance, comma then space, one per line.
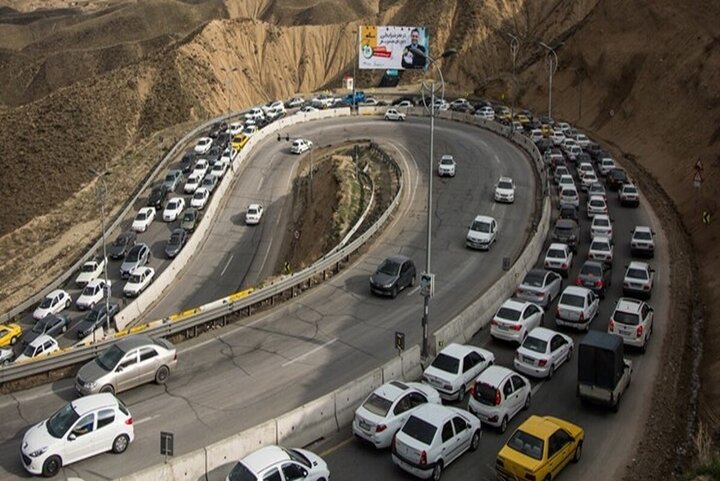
144, 420
537, 387
311, 351
332, 449
226, 265
413, 291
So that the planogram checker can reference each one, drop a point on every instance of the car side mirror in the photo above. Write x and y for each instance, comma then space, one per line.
119, 369
304, 473
72, 437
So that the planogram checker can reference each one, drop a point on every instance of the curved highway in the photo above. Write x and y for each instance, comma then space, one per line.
280, 359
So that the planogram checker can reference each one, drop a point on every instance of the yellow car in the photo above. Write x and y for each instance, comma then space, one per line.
547, 131
503, 114
239, 141
539, 449
522, 118
9, 334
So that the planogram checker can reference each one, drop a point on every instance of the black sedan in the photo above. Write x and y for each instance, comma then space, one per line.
97, 317
122, 244
176, 242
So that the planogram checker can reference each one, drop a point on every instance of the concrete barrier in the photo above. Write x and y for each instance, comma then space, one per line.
412, 368
349, 397
307, 423
237, 447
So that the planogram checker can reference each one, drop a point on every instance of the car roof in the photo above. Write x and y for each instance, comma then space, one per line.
254, 206
457, 350
41, 339
596, 197
639, 265
95, 282
446, 156
139, 270
542, 333
538, 272
576, 290
601, 216
565, 223
627, 304
515, 304
264, 458
558, 245
593, 263
505, 179
85, 404
397, 258
601, 238
392, 390
56, 293
483, 218
539, 427
134, 341
643, 228
435, 414
494, 375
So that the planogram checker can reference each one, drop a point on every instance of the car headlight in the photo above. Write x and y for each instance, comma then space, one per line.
38, 452
91, 384
388, 285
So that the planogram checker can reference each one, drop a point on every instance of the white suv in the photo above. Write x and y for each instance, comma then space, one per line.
454, 368
267, 463
577, 307
82, 428
498, 395
633, 321
300, 145
433, 437
446, 166
385, 410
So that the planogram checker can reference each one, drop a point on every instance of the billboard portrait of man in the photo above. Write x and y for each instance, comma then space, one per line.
410, 59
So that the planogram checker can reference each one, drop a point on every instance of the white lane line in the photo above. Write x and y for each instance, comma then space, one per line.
413, 291
311, 351
226, 265
144, 420
536, 388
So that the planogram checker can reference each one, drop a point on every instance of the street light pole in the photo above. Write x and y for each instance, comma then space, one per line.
552, 63
102, 194
514, 48
425, 350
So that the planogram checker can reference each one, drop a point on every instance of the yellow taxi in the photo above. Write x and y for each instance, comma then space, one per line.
9, 334
539, 449
239, 141
522, 118
503, 113
546, 130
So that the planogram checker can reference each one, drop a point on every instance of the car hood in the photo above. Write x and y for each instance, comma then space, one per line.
37, 437
128, 265
91, 371
114, 250
383, 279
504, 191
475, 235
172, 249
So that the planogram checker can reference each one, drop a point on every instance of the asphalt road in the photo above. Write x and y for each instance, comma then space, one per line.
610, 438
280, 359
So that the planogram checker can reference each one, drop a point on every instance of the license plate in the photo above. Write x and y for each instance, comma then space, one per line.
529, 360
502, 327
364, 425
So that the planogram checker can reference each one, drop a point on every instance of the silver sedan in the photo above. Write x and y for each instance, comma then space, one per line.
539, 286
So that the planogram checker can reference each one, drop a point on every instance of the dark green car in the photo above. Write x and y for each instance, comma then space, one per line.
189, 220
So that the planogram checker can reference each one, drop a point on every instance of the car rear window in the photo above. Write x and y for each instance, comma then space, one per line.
485, 394
563, 229
446, 363
556, 253
572, 300
597, 202
591, 270
377, 405
600, 246
534, 279
626, 318
527, 444
504, 185
479, 226
637, 273
598, 222
508, 314
534, 344
418, 429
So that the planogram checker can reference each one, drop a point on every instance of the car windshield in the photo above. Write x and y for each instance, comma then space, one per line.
508, 314
109, 359
572, 300
505, 185
626, 318
189, 217
88, 267
445, 161
390, 268
141, 216
597, 203
641, 235
89, 290
169, 178
47, 302
534, 279
591, 270
39, 328
534, 344
133, 255
377, 405
480, 226
446, 363
252, 211
527, 444
630, 190
568, 193
637, 273
418, 429
176, 238
600, 246
199, 195
172, 205
556, 253
241, 473
135, 279
91, 317
61, 421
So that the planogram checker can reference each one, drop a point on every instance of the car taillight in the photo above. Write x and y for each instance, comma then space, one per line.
639, 331
582, 316
497, 397
599, 283
494, 322
129, 421
380, 428
472, 390
564, 265
611, 325
542, 362
557, 310
516, 327
547, 264
423, 457
578, 282
646, 287
175, 356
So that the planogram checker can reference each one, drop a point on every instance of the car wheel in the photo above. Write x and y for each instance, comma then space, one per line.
13, 340
120, 444
64, 328
162, 374
475, 443
461, 394
108, 388
51, 466
578, 453
526, 406
569, 355
503, 424
413, 281
548, 477
67, 304
394, 292
437, 471
551, 371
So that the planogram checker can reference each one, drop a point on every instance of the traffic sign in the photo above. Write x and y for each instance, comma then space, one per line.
427, 284
399, 341
697, 180
167, 444
699, 165
706, 217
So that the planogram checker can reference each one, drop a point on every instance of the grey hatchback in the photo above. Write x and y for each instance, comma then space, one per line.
393, 275
128, 363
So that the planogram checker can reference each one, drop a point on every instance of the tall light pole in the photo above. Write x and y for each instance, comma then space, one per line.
356, 60
102, 194
433, 111
514, 48
227, 86
552, 64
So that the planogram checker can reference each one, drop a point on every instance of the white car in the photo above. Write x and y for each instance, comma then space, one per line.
505, 190
143, 219
201, 168
563, 127
192, 183
497, 395
295, 102
514, 319
200, 198
254, 114
235, 128
596, 205
459, 102
559, 258
446, 166
227, 156
536, 135
577, 307
566, 181
601, 250
92, 294
454, 368
433, 437
275, 105
582, 140
601, 226
542, 352
300, 146
569, 196
307, 109
557, 137
394, 114
250, 130
385, 410
560, 172
82, 428
638, 281
89, 271
140, 278
6, 356
574, 151
41, 346
173, 209
254, 214
441, 104
203, 145
633, 321
588, 179
567, 144
486, 113
629, 195
597, 189
269, 462
218, 169
605, 165
642, 242
482, 233
53, 303
370, 102
540, 287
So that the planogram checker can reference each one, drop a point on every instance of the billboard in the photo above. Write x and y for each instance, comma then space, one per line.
391, 47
